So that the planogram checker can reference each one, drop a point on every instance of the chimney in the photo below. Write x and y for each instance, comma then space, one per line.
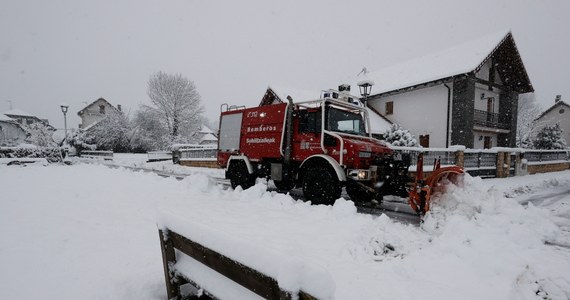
119, 107
344, 87
558, 97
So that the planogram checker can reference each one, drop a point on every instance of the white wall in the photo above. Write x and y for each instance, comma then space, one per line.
11, 134
554, 116
422, 111
482, 104
479, 139
92, 115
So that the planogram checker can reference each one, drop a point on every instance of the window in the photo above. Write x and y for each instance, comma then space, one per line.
487, 143
389, 107
102, 109
561, 111
424, 140
29, 122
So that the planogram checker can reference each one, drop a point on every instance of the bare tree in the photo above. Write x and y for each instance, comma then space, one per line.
528, 111
177, 101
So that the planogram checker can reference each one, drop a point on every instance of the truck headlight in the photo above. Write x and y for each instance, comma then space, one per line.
362, 174
357, 174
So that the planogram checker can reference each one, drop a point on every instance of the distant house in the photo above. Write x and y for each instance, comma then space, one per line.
25, 118
11, 132
557, 113
274, 95
466, 95
95, 112
207, 136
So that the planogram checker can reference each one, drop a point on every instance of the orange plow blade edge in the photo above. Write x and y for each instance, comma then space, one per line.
422, 191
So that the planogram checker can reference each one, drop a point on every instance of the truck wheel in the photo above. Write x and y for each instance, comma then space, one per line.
284, 185
320, 186
239, 175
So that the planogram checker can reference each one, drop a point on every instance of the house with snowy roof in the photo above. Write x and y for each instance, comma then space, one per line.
465, 95
96, 111
559, 113
25, 118
207, 136
275, 94
11, 132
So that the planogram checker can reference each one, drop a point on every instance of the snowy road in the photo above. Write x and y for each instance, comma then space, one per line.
89, 232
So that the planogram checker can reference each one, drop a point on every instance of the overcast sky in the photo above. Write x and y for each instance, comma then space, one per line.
77, 51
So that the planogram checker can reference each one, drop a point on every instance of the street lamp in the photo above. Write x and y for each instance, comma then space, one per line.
64, 111
365, 87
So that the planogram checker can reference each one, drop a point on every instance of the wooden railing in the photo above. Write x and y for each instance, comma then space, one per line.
241, 274
106, 155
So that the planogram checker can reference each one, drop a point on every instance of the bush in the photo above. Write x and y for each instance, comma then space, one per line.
51, 154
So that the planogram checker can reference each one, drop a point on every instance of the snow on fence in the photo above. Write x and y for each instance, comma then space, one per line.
98, 154
533, 156
159, 156
179, 271
204, 152
447, 156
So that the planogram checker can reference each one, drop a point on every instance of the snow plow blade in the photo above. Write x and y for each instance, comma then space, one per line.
420, 196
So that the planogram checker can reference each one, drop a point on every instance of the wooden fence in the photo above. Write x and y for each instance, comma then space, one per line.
243, 275
496, 162
154, 156
98, 154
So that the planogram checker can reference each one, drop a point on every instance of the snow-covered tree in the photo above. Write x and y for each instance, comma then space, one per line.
112, 133
82, 140
40, 134
176, 101
150, 131
549, 137
398, 136
528, 111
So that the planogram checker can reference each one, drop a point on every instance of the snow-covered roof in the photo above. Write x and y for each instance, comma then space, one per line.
18, 112
92, 103
208, 137
557, 104
461, 59
5, 118
205, 129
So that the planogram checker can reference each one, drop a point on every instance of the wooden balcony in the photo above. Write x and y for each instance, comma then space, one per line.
489, 119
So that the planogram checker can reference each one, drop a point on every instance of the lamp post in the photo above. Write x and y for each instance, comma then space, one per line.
365, 87
64, 111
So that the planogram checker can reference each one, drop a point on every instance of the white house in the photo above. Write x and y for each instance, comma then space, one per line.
11, 132
25, 118
95, 112
557, 113
465, 95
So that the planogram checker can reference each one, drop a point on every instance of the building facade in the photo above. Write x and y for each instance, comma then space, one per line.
466, 95
559, 113
95, 112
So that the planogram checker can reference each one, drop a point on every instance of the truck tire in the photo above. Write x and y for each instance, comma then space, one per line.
239, 175
321, 186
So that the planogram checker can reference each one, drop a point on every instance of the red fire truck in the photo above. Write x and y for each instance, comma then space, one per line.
320, 146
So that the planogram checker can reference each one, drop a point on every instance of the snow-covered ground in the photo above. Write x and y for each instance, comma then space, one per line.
87, 231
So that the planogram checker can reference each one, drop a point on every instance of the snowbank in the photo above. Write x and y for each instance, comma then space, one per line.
89, 232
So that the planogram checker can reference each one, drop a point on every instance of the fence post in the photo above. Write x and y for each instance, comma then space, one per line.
459, 158
168, 260
500, 168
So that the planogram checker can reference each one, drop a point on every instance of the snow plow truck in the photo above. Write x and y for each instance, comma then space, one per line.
320, 146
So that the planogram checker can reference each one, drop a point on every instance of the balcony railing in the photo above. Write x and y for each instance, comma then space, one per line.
489, 119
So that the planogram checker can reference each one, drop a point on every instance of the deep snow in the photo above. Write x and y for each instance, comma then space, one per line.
90, 232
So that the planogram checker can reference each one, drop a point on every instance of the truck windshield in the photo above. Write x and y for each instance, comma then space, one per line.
345, 121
